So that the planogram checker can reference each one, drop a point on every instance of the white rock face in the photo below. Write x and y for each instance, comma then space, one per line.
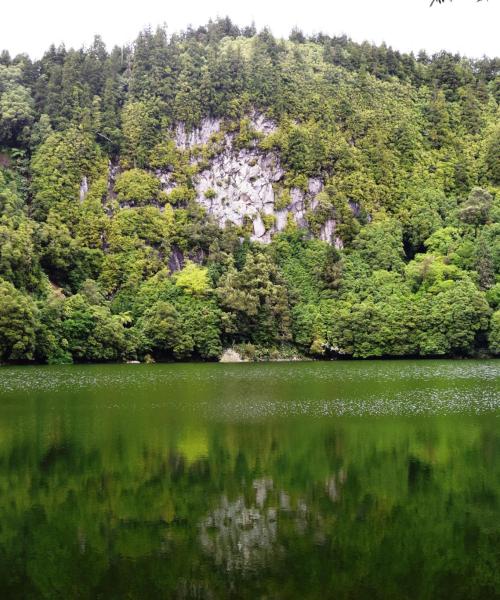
84, 188
262, 124
201, 135
241, 183
198, 136
167, 185
238, 188
231, 356
327, 231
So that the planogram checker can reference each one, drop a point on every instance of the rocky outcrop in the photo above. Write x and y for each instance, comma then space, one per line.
231, 356
262, 124
84, 188
198, 136
243, 186
239, 188
327, 234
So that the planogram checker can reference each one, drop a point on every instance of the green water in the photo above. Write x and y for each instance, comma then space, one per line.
287, 480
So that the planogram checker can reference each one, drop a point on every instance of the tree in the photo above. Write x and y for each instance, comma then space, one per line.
450, 317
181, 329
380, 245
16, 106
18, 323
392, 157
494, 335
492, 152
140, 128
59, 165
476, 209
137, 187
255, 301
91, 331
443, 1
193, 279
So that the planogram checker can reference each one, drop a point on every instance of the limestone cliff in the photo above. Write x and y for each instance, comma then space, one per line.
243, 186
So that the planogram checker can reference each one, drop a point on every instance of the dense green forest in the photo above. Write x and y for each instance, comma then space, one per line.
107, 254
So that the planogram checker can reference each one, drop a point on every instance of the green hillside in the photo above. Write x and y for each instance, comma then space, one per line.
223, 188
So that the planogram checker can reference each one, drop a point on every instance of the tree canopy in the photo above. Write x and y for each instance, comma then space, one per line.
109, 251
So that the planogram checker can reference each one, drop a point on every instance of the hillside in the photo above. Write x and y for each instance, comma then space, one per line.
222, 188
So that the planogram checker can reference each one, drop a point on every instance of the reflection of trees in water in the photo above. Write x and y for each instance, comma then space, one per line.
349, 509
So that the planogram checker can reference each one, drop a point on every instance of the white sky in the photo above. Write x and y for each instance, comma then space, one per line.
463, 26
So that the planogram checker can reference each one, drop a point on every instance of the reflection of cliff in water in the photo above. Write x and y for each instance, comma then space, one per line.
241, 537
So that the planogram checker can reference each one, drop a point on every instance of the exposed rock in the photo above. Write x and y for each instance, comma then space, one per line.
355, 207
175, 260
167, 185
84, 188
231, 356
315, 186
327, 230
262, 123
198, 136
281, 219
238, 186
259, 228
113, 172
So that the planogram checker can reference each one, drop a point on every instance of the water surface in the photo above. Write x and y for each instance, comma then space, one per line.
285, 480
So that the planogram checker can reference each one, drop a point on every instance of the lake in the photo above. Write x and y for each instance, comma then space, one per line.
351, 480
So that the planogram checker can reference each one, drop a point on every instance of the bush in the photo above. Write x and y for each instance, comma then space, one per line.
137, 187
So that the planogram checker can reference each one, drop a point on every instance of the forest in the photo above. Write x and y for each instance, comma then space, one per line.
109, 253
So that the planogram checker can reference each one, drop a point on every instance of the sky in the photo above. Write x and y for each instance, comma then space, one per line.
464, 26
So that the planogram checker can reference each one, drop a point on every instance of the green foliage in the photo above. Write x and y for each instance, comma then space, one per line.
137, 187
476, 209
91, 332
492, 153
188, 328
380, 245
283, 199
399, 155
494, 335
193, 279
269, 221
177, 321
16, 105
18, 322
59, 165
210, 194
255, 301
180, 194
140, 121
450, 318
165, 155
